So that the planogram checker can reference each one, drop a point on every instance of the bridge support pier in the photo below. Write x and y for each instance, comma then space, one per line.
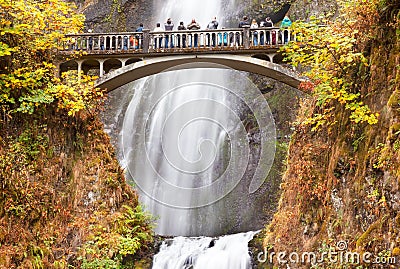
123, 62
101, 69
79, 62
271, 57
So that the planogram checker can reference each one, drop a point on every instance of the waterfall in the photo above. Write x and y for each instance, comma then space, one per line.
172, 140
185, 145
225, 252
197, 144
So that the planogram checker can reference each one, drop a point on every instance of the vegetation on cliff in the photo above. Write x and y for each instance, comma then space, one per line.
342, 181
29, 36
64, 201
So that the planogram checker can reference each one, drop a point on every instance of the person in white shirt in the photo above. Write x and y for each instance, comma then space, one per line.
254, 25
158, 38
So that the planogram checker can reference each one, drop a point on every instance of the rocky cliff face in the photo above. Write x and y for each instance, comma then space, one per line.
117, 15
304, 9
61, 185
341, 188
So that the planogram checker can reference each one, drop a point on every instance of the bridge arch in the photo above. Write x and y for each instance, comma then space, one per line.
89, 64
112, 64
153, 66
69, 65
96, 64
132, 60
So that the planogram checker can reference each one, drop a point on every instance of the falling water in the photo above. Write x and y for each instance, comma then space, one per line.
185, 145
197, 143
175, 156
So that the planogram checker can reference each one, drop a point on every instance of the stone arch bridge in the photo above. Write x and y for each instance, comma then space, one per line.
119, 58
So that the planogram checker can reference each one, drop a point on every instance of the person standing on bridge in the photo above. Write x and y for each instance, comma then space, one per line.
269, 24
140, 28
181, 27
169, 26
158, 37
194, 26
90, 44
242, 24
254, 25
139, 38
212, 25
286, 22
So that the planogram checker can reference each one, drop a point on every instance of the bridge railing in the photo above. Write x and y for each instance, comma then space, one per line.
102, 41
148, 41
163, 41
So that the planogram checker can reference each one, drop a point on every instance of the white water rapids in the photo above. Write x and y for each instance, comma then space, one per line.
229, 251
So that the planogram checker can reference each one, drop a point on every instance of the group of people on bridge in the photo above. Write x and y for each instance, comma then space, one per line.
258, 38
248, 34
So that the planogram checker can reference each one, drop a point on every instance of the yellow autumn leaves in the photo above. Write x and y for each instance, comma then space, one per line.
331, 53
30, 32
76, 93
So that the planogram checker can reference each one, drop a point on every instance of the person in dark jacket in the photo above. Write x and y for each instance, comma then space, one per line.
181, 27
169, 26
242, 24
267, 23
